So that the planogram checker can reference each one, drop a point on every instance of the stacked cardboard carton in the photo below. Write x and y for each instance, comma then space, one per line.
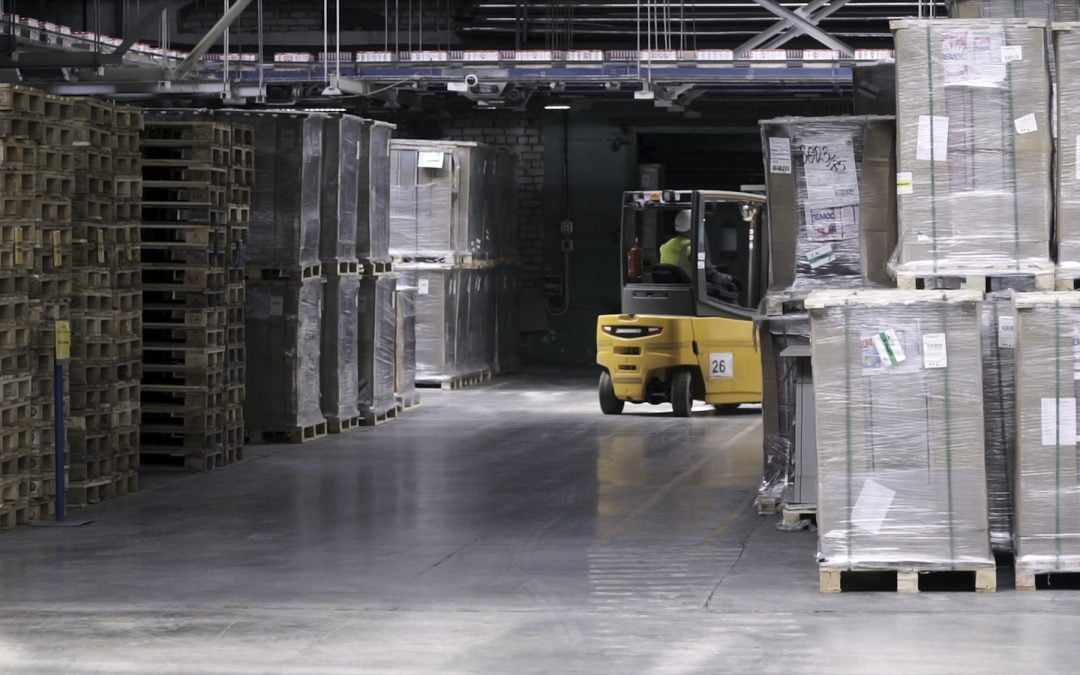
453, 237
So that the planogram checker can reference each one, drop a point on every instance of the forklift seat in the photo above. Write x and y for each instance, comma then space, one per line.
669, 274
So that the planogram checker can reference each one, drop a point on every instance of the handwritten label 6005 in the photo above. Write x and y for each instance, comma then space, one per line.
821, 155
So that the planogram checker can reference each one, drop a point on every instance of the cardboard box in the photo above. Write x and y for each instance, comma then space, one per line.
1047, 517
898, 400
974, 146
832, 204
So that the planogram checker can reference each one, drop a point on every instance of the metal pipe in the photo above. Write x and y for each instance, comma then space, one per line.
262, 76
337, 55
210, 38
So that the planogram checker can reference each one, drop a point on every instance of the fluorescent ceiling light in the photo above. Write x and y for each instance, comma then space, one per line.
556, 107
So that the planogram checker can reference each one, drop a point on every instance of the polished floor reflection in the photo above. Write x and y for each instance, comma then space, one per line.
507, 528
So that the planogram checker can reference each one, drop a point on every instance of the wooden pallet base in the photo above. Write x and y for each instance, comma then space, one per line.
766, 506
372, 419
458, 382
337, 425
294, 435
407, 402
1047, 581
1038, 281
794, 514
908, 580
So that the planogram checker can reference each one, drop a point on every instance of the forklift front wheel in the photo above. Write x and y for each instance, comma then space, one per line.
609, 402
682, 393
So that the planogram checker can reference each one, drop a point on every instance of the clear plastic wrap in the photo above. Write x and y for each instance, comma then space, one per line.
974, 150
340, 348
436, 319
832, 200
1056, 10
283, 392
285, 208
373, 232
450, 199
405, 371
999, 413
341, 159
507, 285
1067, 194
1047, 500
900, 432
875, 89
378, 338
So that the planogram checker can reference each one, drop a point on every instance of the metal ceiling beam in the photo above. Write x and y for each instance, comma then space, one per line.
211, 37
806, 25
781, 40
149, 19
780, 26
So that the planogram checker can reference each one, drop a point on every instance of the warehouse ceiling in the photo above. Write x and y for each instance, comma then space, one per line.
288, 37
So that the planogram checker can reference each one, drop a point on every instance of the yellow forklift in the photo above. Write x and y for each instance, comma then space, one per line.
693, 271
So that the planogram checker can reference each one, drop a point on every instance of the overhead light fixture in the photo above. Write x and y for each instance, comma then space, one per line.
324, 110
557, 106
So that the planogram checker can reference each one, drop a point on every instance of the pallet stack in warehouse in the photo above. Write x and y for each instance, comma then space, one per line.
285, 281
453, 238
103, 435
196, 178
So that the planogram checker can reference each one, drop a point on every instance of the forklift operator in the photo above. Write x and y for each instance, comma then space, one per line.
677, 249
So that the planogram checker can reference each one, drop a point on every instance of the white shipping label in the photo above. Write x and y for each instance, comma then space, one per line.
889, 348
277, 306
872, 506
832, 223
721, 366
1058, 421
973, 57
424, 285
832, 179
1026, 124
1006, 332
904, 183
431, 160
779, 155
1010, 53
1078, 158
822, 255
933, 141
935, 352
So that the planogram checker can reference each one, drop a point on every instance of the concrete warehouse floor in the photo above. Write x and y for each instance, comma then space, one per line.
507, 528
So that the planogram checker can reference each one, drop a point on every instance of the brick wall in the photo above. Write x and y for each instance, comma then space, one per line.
523, 135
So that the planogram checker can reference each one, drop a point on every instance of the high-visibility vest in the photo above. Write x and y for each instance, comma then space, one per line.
677, 252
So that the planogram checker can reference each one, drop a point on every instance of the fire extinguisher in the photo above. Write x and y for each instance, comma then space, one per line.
635, 261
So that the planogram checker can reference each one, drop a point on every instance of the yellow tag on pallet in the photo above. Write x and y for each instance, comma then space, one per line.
63, 341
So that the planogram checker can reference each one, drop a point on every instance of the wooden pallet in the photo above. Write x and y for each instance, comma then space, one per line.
793, 515
371, 268
1040, 280
372, 419
294, 435
407, 402
285, 274
457, 382
337, 425
1028, 579
982, 579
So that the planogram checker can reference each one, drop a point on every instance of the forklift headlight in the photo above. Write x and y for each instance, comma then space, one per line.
632, 331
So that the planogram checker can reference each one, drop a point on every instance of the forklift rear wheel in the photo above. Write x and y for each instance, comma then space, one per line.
609, 402
682, 387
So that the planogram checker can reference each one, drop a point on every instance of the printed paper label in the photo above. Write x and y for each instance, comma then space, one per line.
889, 348
935, 353
822, 255
1010, 53
721, 366
904, 183
424, 285
779, 155
832, 223
872, 506
1026, 124
277, 306
832, 179
431, 160
1058, 421
933, 141
1006, 332
973, 58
